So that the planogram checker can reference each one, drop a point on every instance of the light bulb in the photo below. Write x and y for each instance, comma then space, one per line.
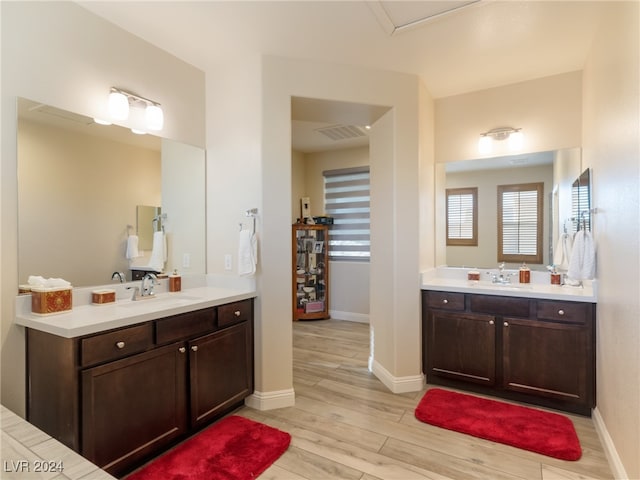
485, 144
118, 106
154, 117
516, 140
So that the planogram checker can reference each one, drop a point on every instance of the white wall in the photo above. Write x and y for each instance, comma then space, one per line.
60, 54
549, 111
251, 87
611, 144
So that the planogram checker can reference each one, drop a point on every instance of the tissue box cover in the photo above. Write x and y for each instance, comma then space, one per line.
100, 297
45, 301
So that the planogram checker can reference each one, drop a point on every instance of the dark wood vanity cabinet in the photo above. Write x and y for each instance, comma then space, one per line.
121, 396
536, 351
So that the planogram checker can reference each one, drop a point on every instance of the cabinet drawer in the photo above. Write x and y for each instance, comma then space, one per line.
495, 305
186, 325
445, 300
571, 312
116, 344
234, 313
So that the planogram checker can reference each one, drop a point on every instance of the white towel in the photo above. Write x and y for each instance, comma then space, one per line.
158, 252
562, 252
247, 253
582, 265
132, 247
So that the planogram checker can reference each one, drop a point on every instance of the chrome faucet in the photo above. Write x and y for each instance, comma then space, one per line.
146, 289
120, 276
501, 277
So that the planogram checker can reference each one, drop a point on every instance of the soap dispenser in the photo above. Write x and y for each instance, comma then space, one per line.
175, 282
525, 274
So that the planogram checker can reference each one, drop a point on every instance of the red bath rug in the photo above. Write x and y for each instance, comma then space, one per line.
542, 432
235, 448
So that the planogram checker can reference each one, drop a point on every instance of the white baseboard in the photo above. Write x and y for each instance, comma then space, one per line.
271, 400
617, 468
413, 383
349, 316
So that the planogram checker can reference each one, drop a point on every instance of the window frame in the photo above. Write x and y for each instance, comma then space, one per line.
466, 242
537, 258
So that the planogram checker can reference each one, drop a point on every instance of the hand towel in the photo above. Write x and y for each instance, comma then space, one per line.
247, 253
132, 247
583, 257
562, 251
158, 252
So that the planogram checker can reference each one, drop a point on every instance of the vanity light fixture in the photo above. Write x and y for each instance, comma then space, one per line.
514, 136
121, 100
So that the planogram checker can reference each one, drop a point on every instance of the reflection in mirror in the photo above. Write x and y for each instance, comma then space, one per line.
78, 187
556, 169
147, 221
581, 201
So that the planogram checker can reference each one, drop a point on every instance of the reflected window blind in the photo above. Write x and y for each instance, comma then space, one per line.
580, 207
346, 199
520, 225
462, 218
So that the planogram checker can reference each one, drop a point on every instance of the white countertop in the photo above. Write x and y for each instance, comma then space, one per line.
454, 279
86, 318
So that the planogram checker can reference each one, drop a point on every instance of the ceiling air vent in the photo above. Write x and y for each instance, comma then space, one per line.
342, 132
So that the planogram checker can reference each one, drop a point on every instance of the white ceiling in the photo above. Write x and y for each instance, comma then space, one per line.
486, 44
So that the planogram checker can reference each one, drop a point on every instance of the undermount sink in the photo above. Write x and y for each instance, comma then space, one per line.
168, 299
503, 286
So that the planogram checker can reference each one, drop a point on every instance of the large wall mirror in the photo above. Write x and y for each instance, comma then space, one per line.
555, 169
79, 185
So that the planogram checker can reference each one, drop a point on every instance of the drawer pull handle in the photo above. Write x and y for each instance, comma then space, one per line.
194, 348
182, 349
560, 312
491, 322
237, 313
120, 345
506, 324
445, 301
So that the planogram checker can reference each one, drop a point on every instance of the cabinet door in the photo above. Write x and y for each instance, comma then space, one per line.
221, 371
547, 359
133, 406
461, 346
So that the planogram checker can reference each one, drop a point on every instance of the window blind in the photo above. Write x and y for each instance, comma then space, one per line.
462, 218
346, 197
519, 235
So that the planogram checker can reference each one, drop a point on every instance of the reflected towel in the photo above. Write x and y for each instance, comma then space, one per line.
562, 252
247, 253
158, 252
582, 265
132, 247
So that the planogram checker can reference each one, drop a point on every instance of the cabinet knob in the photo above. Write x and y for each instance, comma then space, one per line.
182, 349
194, 348
120, 345
561, 312
237, 313
445, 301
491, 322
506, 324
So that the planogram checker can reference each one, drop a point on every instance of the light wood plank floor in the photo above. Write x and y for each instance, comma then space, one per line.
346, 424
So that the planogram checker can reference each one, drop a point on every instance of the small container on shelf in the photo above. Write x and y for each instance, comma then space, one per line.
175, 282
473, 275
525, 274
47, 301
103, 296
